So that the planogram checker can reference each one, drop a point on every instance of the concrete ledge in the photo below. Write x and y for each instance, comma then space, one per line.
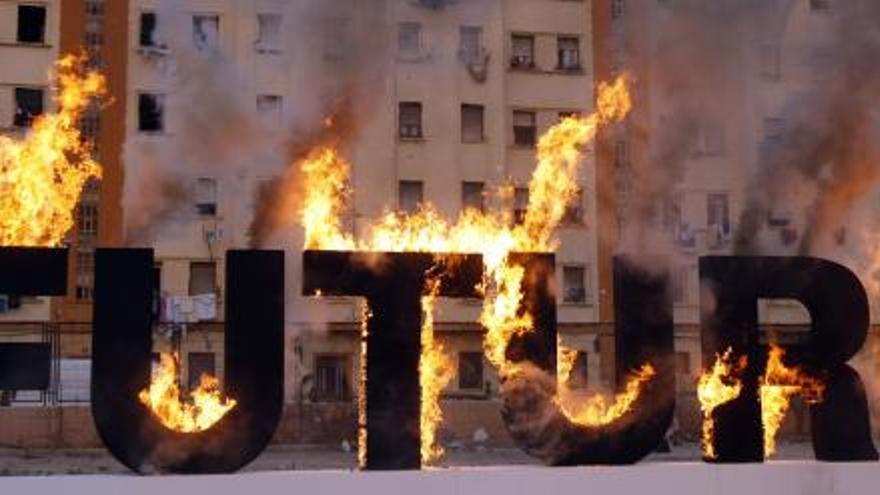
778, 478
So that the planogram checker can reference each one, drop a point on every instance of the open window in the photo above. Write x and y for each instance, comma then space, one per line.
410, 195
472, 117
268, 33
151, 112
206, 196
28, 105
31, 24
410, 120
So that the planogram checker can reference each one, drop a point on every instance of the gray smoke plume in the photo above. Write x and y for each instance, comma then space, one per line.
819, 167
212, 126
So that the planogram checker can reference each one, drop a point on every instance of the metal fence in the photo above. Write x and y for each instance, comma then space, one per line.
69, 366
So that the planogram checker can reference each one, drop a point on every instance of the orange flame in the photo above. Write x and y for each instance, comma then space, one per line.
553, 185
778, 385
600, 410
204, 407
716, 387
43, 173
435, 372
362, 387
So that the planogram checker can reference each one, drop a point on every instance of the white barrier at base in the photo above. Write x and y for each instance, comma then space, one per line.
778, 478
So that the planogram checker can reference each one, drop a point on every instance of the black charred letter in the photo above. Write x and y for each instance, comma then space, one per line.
254, 365
838, 307
29, 272
643, 336
392, 284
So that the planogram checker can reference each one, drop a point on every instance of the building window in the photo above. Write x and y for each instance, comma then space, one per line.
202, 278
470, 371
682, 363
470, 48
820, 5
31, 24
151, 112
331, 378
574, 210
85, 275
574, 288
268, 33
87, 220
718, 213
200, 364
771, 62
618, 8
774, 129
206, 32
523, 51
579, 376
472, 196
28, 104
472, 123
336, 38
520, 204
525, 131
148, 30
409, 39
410, 117
569, 53
711, 139
206, 196
409, 195
271, 107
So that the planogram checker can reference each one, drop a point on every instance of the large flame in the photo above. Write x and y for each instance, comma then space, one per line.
778, 385
326, 191
43, 173
201, 410
435, 372
716, 387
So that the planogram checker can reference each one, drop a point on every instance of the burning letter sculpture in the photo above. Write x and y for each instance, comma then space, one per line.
392, 284
254, 371
838, 307
622, 433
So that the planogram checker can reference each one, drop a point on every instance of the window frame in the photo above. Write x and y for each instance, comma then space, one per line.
416, 184
525, 136
472, 110
584, 292
41, 41
479, 371
410, 130
156, 113
19, 120
522, 61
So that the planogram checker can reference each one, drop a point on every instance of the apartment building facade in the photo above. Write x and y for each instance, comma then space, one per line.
464, 92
